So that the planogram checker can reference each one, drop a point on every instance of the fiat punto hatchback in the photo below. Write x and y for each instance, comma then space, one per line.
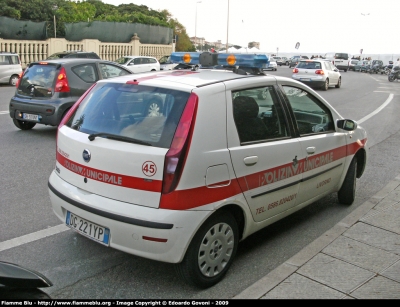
215, 163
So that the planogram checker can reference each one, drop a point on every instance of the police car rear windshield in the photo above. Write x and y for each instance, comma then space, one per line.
142, 113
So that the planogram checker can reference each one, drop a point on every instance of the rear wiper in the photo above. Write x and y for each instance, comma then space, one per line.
118, 138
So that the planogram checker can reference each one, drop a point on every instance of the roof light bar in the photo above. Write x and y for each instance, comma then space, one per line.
224, 59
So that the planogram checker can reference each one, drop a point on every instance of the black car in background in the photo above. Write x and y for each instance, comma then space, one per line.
48, 89
74, 55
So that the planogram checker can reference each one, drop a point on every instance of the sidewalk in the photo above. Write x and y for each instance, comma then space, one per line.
359, 258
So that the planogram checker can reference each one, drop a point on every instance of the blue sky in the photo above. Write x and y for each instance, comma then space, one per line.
319, 26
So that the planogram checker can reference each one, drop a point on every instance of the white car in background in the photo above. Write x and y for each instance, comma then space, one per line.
272, 64
166, 64
138, 64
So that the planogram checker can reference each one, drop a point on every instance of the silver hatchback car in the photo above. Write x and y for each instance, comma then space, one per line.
317, 73
10, 68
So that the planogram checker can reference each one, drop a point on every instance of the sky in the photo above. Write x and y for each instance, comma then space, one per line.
319, 26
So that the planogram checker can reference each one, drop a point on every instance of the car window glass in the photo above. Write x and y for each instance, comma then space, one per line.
38, 81
311, 115
258, 115
110, 71
4, 60
87, 72
139, 112
137, 61
152, 60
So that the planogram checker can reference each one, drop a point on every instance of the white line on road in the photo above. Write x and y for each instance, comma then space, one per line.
32, 237
4, 112
377, 110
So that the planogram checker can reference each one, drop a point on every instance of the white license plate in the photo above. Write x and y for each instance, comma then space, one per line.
30, 116
305, 79
91, 230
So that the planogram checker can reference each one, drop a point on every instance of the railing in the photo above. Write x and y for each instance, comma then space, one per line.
30, 51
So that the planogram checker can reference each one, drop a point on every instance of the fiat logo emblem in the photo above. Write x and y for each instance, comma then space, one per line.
86, 155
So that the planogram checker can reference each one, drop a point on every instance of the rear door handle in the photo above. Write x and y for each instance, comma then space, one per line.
310, 150
249, 161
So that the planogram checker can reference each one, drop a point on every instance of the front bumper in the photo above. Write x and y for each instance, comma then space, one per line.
129, 224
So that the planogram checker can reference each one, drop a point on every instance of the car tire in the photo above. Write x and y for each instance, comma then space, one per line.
13, 80
347, 192
326, 85
391, 78
339, 83
211, 251
154, 108
23, 125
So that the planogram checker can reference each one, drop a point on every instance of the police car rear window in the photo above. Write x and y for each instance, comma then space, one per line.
134, 111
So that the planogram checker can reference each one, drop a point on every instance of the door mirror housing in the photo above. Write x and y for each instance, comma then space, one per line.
346, 124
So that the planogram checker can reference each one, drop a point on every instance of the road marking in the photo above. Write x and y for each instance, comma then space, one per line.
32, 237
377, 110
4, 112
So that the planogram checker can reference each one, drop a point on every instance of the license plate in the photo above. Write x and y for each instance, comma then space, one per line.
305, 79
30, 116
91, 230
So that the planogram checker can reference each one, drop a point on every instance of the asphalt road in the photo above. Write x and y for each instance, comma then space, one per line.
80, 268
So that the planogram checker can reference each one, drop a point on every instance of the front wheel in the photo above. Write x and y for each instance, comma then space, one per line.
347, 192
391, 78
23, 125
211, 252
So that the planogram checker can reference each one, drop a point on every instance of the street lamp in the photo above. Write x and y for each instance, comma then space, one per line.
195, 26
227, 30
55, 7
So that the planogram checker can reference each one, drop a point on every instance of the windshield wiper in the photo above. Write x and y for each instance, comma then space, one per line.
118, 138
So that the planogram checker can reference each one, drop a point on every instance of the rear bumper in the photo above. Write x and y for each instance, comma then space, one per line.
50, 113
128, 223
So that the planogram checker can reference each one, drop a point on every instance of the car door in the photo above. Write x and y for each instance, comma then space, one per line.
324, 148
264, 154
333, 73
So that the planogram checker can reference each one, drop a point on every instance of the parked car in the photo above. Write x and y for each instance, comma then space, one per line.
339, 59
352, 64
278, 60
76, 54
10, 68
272, 64
285, 60
295, 59
48, 89
138, 64
362, 65
375, 66
317, 73
166, 64
156, 185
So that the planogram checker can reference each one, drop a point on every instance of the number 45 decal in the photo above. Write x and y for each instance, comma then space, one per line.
149, 168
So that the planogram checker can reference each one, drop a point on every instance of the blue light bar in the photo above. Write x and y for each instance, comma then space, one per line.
225, 59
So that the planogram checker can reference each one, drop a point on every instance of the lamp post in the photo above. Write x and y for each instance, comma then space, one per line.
195, 27
55, 7
227, 30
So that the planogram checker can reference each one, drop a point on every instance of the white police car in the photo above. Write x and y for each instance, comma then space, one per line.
214, 161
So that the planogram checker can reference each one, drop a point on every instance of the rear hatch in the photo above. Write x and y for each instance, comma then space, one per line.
308, 70
114, 144
38, 81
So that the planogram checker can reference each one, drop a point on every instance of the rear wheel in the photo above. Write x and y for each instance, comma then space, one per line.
339, 83
347, 192
13, 80
391, 78
326, 85
211, 252
23, 125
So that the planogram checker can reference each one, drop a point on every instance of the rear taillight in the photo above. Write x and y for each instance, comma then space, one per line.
62, 85
19, 79
295, 71
319, 72
176, 155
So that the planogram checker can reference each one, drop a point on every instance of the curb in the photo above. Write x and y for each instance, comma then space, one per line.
279, 274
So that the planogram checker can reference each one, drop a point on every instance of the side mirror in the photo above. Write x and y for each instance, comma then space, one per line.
346, 124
